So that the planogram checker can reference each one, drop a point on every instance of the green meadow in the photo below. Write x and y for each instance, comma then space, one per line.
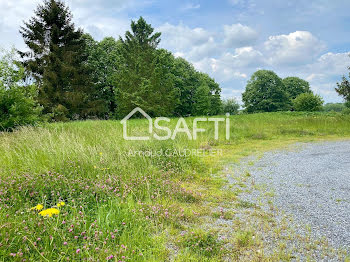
120, 206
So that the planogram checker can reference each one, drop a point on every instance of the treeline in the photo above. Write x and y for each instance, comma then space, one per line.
132, 72
77, 77
65, 74
267, 92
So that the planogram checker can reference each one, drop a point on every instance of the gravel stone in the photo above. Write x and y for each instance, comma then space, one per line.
311, 183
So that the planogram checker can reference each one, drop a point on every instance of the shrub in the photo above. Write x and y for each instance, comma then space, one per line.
336, 107
231, 106
308, 102
17, 100
346, 111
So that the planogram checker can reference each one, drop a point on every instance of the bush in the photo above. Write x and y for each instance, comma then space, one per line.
17, 100
230, 105
336, 107
346, 111
308, 102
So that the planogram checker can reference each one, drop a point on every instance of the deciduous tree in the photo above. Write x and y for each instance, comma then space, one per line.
343, 89
265, 92
296, 86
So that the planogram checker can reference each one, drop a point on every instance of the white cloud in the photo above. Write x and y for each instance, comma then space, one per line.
193, 44
244, 57
96, 5
325, 72
181, 37
295, 48
332, 63
242, 3
207, 49
196, 44
96, 17
238, 35
232, 66
179, 54
190, 6
12, 15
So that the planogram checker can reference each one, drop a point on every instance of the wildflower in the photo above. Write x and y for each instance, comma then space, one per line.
65, 243
37, 207
49, 212
78, 251
101, 154
60, 204
110, 257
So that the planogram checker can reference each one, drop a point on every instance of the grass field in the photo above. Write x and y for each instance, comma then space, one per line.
130, 208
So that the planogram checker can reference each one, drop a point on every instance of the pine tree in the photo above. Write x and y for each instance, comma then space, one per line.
144, 78
56, 60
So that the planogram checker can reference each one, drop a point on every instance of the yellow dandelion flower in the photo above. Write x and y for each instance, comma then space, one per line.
37, 207
49, 212
60, 204
95, 167
101, 154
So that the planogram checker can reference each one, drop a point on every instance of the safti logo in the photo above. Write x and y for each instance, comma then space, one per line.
181, 127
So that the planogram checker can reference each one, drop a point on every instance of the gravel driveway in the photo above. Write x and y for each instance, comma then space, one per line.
311, 182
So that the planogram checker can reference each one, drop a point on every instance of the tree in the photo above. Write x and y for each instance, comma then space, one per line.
343, 90
103, 62
202, 101
17, 99
296, 86
214, 93
186, 82
336, 107
308, 102
144, 78
230, 106
57, 61
265, 92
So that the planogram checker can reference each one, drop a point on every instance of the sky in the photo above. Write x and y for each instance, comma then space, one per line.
227, 39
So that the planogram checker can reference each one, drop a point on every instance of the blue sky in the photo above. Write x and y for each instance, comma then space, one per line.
228, 39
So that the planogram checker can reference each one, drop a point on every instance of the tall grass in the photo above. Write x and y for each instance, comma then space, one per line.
118, 206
